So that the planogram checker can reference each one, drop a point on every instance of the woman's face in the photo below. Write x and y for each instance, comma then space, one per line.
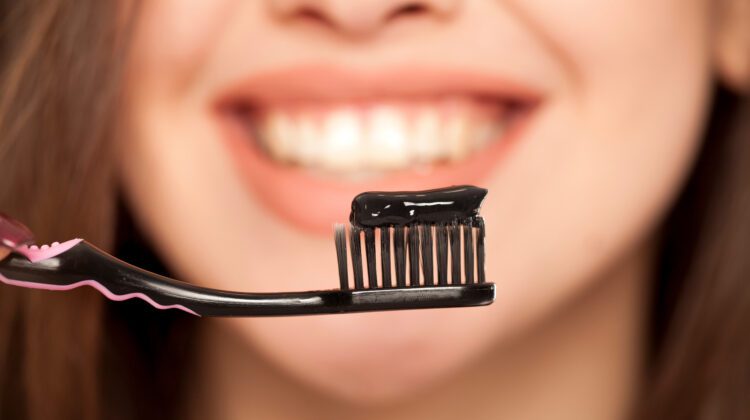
255, 123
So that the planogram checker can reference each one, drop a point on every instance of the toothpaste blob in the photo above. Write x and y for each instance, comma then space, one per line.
377, 209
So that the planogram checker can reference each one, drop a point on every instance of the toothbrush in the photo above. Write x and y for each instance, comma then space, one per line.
403, 225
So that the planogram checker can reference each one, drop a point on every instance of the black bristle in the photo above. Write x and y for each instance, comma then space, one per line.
480, 249
468, 252
455, 239
414, 244
372, 272
356, 252
399, 248
425, 235
442, 253
413, 256
385, 256
419, 239
339, 235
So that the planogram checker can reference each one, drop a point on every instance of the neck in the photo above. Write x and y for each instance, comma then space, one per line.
582, 363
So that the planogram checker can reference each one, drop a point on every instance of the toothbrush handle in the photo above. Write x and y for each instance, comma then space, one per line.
87, 265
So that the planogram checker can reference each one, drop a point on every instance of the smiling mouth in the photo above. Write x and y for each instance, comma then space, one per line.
355, 140
308, 140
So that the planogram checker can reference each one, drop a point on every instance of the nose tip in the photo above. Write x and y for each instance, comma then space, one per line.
361, 18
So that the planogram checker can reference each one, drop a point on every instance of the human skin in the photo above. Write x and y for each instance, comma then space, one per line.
621, 89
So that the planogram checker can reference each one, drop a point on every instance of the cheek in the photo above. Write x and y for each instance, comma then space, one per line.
173, 40
604, 161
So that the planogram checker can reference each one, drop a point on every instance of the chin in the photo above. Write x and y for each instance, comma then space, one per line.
372, 358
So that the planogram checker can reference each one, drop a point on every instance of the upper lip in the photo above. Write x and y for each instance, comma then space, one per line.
325, 83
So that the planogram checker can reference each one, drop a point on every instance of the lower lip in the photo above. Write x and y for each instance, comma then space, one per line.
314, 203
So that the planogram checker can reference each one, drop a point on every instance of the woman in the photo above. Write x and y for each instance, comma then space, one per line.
618, 223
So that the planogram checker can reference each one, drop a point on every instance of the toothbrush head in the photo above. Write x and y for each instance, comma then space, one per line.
431, 242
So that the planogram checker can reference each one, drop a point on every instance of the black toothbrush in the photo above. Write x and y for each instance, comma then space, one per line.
403, 226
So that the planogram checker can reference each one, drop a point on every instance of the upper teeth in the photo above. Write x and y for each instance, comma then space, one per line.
377, 137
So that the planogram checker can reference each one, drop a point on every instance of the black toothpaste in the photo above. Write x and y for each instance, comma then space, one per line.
378, 209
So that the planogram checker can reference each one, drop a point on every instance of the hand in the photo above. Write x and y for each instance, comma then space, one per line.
12, 234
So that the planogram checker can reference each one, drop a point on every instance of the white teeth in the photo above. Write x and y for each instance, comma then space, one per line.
388, 137
426, 135
341, 137
355, 138
279, 127
307, 151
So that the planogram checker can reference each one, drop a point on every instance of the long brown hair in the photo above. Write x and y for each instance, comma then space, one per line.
701, 314
60, 68
58, 79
